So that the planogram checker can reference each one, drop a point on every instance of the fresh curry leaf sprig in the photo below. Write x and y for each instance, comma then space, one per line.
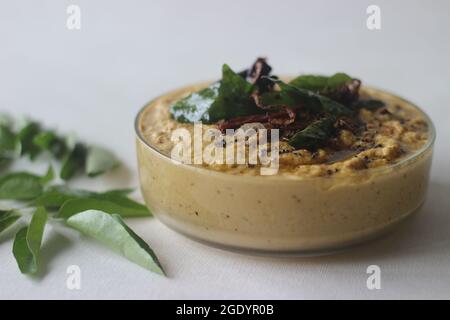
32, 139
97, 214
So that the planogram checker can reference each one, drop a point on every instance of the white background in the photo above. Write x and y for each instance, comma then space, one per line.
93, 81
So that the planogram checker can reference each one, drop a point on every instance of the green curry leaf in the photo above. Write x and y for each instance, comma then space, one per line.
70, 201
313, 102
20, 186
50, 141
74, 162
26, 137
310, 82
9, 143
120, 205
370, 104
319, 83
27, 244
7, 218
313, 135
24, 185
234, 99
55, 196
339, 87
99, 160
229, 98
114, 233
49, 176
118, 192
337, 80
193, 107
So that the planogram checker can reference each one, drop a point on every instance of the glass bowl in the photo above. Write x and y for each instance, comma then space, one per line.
281, 215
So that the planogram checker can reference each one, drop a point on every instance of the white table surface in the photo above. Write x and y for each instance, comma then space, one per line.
94, 80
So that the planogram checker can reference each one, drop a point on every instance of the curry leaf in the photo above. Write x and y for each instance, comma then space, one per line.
284, 98
27, 244
7, 218
337, 80
314, 135
9, 143
119, 192
332, 107
71, 201
308, 97
225, 99
44, 139
10, 147
120, 205
24, 185
370, 104
50, 141
20, 186
312, 101
99, 160
5, 120
339, 87
320, 83
193, 107
310, 82
26, 137
129, 207
234, 99
49, 176
114, 233
74, 162
55, 196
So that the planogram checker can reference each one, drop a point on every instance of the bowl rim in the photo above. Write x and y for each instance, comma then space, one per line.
403, 162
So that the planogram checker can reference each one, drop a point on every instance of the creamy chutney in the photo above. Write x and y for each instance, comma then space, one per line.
357, 185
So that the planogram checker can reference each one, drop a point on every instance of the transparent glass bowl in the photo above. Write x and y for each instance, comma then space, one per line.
279, 214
